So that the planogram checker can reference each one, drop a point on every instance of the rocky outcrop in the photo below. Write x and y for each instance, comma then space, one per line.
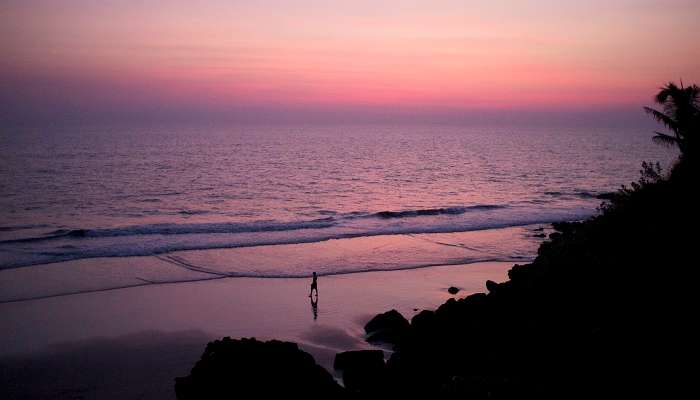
389, 327
585, 319
363, 371
247, 367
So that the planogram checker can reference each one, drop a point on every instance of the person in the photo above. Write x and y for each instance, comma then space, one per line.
314, 285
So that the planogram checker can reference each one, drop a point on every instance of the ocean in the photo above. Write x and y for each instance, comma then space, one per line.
81, 194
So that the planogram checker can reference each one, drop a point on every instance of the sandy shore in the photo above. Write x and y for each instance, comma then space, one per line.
131, 343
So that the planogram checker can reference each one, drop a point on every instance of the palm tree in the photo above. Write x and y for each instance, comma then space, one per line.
681, 115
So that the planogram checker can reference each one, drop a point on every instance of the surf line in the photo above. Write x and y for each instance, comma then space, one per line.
177, 261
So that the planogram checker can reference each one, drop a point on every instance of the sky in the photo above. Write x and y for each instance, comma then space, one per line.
307, 59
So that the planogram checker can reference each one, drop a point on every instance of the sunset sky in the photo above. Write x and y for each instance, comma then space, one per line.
77, 58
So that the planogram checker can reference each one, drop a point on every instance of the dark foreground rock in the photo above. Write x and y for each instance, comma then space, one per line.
600, 313
604, 311
389, 327
363, 371
491, 286
248, 368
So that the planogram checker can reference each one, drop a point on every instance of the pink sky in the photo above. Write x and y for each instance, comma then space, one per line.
91, 56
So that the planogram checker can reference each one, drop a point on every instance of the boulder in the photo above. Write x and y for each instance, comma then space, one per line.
352, 359
491, 286
520, 272
248, 367
423, 321
363, 371
388, 327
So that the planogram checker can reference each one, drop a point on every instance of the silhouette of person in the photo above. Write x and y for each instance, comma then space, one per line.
314, 285
314, 307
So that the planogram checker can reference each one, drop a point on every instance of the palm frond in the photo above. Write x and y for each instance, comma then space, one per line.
694, 95
670, 90
665, 140
662, 118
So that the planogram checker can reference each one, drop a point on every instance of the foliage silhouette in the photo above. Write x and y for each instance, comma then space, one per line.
680, 114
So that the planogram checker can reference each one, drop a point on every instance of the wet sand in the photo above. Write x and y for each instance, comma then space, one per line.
131, 343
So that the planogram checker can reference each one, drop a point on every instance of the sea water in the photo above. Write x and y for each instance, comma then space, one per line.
87, 193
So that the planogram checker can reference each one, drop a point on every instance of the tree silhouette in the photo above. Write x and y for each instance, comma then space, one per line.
680, 114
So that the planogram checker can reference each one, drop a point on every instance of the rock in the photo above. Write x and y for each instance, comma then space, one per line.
565, 226
363, 371
389, 336
491, 286
453, 290
423, 320
388, 327
389, 320
520, 272
606, 196
351, 359
539, 235
248, 367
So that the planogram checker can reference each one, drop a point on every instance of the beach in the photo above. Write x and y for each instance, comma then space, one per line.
132, 342
115, 272
125, 327
347, 200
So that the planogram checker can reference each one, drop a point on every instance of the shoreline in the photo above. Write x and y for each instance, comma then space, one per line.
328, 258
149, 284
49, 333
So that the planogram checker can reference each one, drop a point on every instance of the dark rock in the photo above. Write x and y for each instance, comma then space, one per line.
453, 290
388, 327
363, 371
422, 320
389, 336
491, 286
606, 196
389, 320
565, 226
585, 314
539, 235
519, 272
351, 359
242, 368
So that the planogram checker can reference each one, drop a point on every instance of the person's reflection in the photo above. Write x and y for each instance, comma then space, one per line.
314, 306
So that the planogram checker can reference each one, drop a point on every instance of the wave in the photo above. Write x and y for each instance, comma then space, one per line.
436, 211
583, 194
178, 229
193, 212
250, 227
147, 240
12, 228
